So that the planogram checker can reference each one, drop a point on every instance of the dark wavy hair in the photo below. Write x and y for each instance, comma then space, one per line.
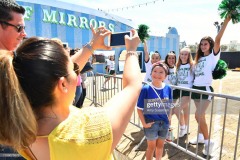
172, 53
199, 53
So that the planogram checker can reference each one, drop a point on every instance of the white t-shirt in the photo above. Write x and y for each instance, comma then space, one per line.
203, 69
172, 77
111, 65
148, 67
185, 76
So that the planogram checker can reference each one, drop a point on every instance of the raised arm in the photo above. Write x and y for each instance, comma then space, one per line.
121, 106
220, 34
97, 42
146, 53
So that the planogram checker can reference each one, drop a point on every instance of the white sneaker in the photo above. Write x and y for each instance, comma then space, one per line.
205, 149
182, 132
194, 141
170, 136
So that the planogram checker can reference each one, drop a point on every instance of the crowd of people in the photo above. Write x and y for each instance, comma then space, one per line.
183, 72
40, 84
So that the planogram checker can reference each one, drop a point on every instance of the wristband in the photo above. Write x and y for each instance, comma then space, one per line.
132, 53
89, 47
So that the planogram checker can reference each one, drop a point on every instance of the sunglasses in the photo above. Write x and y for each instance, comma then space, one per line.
19, 28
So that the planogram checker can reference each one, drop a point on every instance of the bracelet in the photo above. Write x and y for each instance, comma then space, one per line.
130, 53
89, 47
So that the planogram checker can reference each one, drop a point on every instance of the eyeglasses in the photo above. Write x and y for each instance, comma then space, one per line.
19, 28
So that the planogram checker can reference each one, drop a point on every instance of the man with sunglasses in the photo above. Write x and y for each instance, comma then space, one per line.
12, 26
11, 34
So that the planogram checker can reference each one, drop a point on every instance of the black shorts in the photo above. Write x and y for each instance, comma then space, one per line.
177, 92
112, 72
203, 88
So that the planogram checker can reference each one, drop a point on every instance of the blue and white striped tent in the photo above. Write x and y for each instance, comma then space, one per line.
71, 23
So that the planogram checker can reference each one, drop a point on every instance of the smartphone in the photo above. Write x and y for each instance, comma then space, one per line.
117, 39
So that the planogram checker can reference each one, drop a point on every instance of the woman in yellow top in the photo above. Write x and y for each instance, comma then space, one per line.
37, 89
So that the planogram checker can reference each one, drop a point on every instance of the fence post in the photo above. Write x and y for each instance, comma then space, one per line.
94, 90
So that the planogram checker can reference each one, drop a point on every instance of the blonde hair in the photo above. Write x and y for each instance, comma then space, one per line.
189, 60
156, 53
18, 125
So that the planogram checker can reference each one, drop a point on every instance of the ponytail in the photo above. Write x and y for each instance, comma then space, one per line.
18, 125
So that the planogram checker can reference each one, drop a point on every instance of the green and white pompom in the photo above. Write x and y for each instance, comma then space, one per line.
143, 32
232, 8
220, 70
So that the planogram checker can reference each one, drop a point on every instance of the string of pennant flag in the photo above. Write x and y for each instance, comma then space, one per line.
130, 7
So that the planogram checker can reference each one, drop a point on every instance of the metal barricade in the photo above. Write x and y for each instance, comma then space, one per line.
90, 87
98, 94
222, 116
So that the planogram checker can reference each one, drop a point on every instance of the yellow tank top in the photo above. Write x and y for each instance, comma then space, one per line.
85, 135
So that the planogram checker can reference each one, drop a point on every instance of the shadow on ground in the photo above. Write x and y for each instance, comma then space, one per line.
169, 152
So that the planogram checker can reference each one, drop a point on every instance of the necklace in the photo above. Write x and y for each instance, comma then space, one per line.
48, 116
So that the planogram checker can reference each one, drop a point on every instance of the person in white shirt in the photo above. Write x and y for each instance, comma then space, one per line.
184, 73
111, 70
155, 57
170, 61
208, 53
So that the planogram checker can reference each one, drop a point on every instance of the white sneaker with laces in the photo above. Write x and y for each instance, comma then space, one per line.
194, 141
205, 149
182, 132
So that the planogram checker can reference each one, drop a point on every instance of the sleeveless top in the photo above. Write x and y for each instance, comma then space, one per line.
85, 135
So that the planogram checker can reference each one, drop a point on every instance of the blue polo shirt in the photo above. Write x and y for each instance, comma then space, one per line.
149, 102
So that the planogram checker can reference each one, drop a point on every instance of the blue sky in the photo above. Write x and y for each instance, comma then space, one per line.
193, 19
